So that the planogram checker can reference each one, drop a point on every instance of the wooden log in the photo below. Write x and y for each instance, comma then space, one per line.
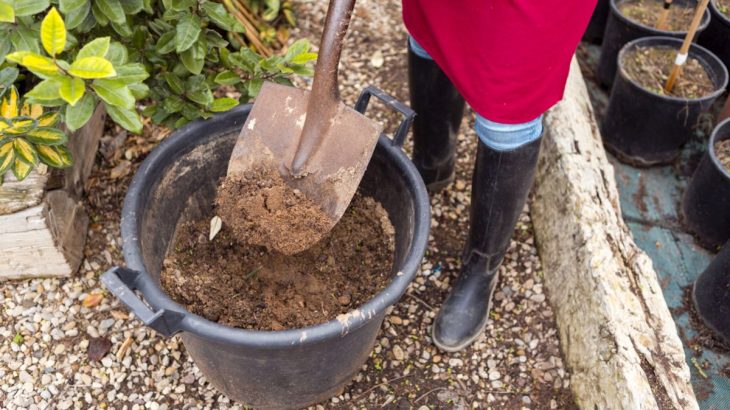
45, 240
18, 195
84, 144
617, 333
43, 222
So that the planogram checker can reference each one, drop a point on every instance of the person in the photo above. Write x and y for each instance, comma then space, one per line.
509, 60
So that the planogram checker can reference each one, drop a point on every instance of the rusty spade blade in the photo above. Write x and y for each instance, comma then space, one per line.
318, 145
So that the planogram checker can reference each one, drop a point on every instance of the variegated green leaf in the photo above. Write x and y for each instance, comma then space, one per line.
128, 119
77, 115
7, 156
7, 14
47, 136
91, 67
114, 92
53, 33
21, 169
57, 157
20, 125
72, 89
49, 119
47, 90
95, 48
39, 64
24, 150
9, 105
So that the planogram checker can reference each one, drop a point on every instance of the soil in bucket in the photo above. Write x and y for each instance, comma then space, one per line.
722, 151
236, 282
650, 68
646, 12
261, 209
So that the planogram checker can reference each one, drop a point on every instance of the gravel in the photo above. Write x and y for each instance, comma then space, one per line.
48, 335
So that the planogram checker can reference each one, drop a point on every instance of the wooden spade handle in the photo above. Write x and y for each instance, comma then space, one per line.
662, 21
684, 50
324, 100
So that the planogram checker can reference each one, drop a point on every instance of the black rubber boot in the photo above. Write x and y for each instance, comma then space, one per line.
500, 187
440, 108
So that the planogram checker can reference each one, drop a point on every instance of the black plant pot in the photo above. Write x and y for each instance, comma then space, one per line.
597, 25
621, 30
717, 36
711, 295
706, 201
644, 128
263, 369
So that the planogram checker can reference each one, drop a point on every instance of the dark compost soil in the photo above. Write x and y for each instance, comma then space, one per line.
234, 283
650, 67
646, 12
261, 209
722, 150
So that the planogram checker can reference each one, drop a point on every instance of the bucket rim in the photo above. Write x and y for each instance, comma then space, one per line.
267, 339
695, 50
704, 23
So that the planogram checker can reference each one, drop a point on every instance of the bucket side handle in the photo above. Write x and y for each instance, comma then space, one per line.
121, 282
408, 114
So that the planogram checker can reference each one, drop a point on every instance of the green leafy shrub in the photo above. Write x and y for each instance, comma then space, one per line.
102, 51
95, 74
191, 60
28, 136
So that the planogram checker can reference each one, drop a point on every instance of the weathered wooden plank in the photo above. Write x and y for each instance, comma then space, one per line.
616, 331
42, 221
18, 195
46, 240
83, 145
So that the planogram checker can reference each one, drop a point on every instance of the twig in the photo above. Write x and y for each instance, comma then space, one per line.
427, 393
251, 32
247, 13
253, 272
698, 367
359, 396
421, 301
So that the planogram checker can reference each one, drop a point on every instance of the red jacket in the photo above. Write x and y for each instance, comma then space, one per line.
508, 58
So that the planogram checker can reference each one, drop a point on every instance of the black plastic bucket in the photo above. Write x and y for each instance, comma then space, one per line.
717, 36
711, 295
621, 30
263, 369
597, 25
644, 128
706, 201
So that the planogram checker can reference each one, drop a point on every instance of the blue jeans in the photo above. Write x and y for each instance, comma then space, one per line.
498, 136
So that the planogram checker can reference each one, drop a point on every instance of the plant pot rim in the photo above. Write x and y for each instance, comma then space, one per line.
723, 18
266, 339
655, 31
694, 51
718, 135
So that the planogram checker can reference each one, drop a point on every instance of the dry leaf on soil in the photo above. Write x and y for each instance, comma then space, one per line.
98, 348
216, 223
92, 300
